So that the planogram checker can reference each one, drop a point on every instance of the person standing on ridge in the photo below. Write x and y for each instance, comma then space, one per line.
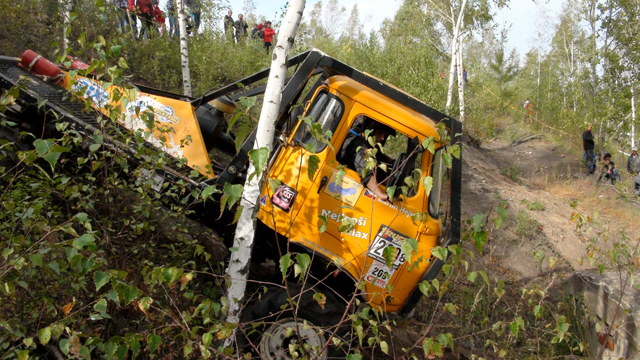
633, 163
174, 29
228, 25
241, 28
268, 35
588, 144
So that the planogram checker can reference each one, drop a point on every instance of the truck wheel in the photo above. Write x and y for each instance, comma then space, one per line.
272, 332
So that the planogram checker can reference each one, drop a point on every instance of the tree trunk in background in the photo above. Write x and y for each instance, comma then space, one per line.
633, 116
461, 83
66, 21
454, 50
240, 261
184, 50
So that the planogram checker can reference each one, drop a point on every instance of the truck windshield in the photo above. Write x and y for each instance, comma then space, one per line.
327, 111
436, 174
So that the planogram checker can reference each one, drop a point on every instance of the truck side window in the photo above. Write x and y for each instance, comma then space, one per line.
327, 111
437, 175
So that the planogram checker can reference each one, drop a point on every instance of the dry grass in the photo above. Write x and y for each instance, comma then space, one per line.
614, 210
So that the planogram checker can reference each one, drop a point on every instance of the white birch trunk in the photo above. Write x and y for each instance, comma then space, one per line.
184, 49
461, 84
66, 22
240, 261
633, 116
454, 49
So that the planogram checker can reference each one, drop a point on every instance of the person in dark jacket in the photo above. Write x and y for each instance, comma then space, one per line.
241, 28
123, 19
636, 184
609, 170
228, 25
588, 144
354, 150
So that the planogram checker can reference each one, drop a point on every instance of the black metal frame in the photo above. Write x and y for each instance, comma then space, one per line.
313, 62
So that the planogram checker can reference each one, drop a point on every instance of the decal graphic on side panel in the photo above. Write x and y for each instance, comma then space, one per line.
379, 273
284, 197
347, 190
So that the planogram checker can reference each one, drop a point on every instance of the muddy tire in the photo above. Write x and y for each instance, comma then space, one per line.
267, 323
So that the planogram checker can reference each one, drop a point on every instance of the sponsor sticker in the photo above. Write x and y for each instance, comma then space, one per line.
284, 197
347, 190
163, 113
263, 200
379, 274
404, 211
156, 180
92, 90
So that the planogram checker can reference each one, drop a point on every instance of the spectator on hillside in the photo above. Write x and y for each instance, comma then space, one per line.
194, 11
609, 170
636, 184
241, 28
228, 25
123, 18
633, 163
588, 144
258, 30
159, 17
268, 36
174, 28
133, 18
145, 14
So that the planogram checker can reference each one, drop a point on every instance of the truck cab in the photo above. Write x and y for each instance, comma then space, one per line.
311, 210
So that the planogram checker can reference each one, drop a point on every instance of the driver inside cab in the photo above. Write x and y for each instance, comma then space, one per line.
356, 151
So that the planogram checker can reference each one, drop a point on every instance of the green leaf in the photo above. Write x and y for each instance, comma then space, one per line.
23, 354
391, 191
101, 306
390, 254
446, 340
454, 150
285, 262
85, 240
55, 267
429, 144
36, 259
537, 311
313, 165
237, 215
354, 357
259, 159
44, 335
384, 347
153, 341
478, 221
101, 278
472, 276
440, 252
409, 247
427, 183
480, 239
484, 276
303, 260
206, 339
145, 303
341, 173
425, 287
230, 195
208, 191
274, 184
514, 329
446, 159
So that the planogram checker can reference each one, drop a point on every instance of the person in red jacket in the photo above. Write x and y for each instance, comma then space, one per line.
158, 16
268, 35
145, 13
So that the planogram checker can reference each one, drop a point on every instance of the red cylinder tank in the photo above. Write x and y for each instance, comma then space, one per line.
39, 65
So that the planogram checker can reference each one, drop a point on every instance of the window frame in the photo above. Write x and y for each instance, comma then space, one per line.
302, 129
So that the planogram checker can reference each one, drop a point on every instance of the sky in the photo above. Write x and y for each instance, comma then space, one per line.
523, 17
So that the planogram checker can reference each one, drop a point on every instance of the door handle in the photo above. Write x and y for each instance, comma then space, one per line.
323, 182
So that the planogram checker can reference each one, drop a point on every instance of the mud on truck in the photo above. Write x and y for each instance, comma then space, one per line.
356, 239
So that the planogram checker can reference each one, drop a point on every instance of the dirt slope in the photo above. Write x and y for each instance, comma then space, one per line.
550, 177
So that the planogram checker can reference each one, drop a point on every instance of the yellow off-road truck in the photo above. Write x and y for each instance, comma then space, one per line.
345, 226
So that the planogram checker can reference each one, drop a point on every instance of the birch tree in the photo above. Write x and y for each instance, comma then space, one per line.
454, 51
66, 21
240, 261
184, 50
